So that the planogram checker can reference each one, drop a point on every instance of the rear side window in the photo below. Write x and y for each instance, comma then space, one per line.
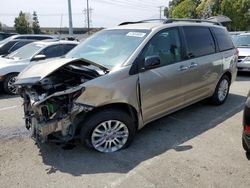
224, 40
199, 41
34, 37
53, 51
68, 47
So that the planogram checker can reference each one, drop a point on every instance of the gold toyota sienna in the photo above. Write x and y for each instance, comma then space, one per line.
120, 79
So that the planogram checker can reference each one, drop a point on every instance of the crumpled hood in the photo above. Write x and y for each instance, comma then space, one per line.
39, 70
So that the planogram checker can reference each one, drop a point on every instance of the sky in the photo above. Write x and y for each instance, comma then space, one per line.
105, 13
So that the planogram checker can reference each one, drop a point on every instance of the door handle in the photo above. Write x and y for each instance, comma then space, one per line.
183, 68
193, 65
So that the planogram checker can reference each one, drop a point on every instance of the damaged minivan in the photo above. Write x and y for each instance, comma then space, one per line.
120, 79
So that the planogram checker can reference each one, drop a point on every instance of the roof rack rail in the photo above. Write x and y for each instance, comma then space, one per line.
143, 21
171, 20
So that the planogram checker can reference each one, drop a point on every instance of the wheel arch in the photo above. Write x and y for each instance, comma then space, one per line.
228, 74
6, 75
124, 107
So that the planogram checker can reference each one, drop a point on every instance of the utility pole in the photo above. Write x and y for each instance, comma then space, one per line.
160, 7
85, 12
88, 16
70, 18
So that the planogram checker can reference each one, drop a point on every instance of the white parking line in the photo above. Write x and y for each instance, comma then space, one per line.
7, 108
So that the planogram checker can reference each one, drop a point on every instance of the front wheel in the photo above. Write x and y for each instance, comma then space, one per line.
108, 131
8, 84
221, 91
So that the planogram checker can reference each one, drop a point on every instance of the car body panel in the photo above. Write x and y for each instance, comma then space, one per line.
246, 122
115, 87
199, 81
244, 53
161, 91
244, 59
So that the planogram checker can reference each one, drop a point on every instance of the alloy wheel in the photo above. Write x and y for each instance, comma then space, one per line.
109, 136
223, 90
11, 87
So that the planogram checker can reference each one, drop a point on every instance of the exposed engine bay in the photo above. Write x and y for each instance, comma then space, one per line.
49, 105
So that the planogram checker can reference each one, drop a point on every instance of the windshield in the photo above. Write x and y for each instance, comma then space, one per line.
110, 47
243, 40
26, 52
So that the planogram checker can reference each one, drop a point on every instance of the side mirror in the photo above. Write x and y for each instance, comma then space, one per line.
152, 62
38, 57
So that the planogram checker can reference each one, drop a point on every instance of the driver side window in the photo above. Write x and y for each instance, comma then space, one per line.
165, 44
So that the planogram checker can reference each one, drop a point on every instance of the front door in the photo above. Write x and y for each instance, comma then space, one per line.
160, 88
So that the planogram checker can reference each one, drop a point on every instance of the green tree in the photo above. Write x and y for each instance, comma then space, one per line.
185, 9
204, 9
35, 24
237, 10
172, 4
22, 25
1, 26
166, 12
239, 13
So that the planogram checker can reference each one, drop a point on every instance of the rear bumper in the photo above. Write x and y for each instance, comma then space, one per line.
243, 66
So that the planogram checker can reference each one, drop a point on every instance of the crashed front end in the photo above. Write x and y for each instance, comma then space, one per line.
50, 106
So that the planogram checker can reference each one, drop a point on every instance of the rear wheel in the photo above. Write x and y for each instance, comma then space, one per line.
221, 91
108, 131
8, 84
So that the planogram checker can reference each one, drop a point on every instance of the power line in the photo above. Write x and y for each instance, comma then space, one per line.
124, 4
85, 12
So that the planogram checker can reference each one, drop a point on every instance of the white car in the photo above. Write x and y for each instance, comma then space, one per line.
243, 44
14, 63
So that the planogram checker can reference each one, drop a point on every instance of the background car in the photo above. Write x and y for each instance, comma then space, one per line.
13, 45
4, 35
234, 35
30, 37
242, 42
12, 64
246, 126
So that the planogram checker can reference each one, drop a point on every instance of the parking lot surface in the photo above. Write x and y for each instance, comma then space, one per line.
199, 146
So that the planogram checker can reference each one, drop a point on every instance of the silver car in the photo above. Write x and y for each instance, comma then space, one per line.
12, 64
242, 42
120, 79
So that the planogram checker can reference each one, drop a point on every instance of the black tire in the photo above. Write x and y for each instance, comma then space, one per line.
215, 99
6, 87
244, 145
92, 122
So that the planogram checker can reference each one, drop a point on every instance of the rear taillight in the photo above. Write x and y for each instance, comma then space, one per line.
247, 129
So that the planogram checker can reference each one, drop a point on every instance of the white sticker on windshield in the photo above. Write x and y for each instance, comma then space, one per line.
136, 34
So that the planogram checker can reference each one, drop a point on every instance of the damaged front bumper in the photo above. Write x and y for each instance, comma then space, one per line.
45, 118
